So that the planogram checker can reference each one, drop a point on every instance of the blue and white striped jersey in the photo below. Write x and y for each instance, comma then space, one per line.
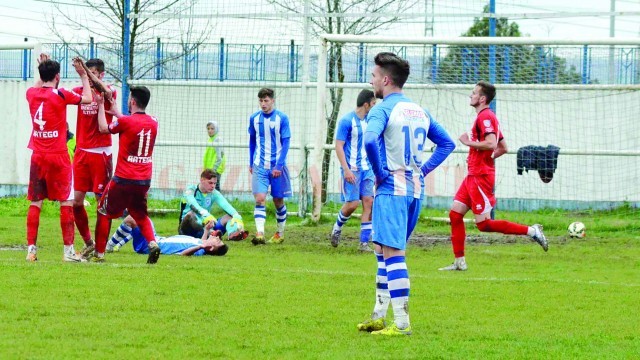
402, 127
351, 130
178, 243
269, 130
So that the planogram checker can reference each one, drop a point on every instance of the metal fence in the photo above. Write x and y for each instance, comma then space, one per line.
283, 63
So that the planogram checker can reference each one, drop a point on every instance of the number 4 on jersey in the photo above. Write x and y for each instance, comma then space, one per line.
37, 117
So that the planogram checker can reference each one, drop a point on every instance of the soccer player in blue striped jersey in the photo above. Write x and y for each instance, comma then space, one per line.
357, 177
395, 139
209, 244
269, 136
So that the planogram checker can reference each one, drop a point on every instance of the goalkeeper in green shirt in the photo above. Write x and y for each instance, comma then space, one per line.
195, 212
214, 157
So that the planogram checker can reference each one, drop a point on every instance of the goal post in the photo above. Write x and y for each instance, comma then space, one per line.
591, 121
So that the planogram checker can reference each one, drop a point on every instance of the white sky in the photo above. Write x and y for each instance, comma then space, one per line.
28, 18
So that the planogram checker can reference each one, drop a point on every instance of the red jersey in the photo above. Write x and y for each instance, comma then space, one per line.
481, 162
137, 138
48, 108
88, 135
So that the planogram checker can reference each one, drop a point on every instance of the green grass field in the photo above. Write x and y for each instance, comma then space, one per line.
302, 299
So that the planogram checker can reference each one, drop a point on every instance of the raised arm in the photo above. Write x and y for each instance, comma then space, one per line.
38, 82
87, 97
103, 127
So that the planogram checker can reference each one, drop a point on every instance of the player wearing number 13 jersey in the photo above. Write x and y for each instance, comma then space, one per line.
396, 134
130, 183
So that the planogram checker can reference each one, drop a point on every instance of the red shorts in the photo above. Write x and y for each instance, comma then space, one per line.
478, 193
118, 196
50, 177
91, 171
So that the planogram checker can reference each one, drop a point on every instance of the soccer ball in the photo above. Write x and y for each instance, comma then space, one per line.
577, 230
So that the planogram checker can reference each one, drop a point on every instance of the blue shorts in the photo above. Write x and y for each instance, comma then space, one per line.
261, 179
394, 218
362, 187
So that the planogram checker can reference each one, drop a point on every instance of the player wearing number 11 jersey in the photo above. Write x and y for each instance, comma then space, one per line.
129, 186
396, 134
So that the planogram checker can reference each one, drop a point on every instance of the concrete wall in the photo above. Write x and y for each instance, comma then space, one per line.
580, 120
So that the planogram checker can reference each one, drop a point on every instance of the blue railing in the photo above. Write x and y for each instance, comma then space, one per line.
283, 63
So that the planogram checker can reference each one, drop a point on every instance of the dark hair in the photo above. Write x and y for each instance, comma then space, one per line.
364, 97
96, 63
209, 174
189, 225
487, 90
141, 95
266, 92
394, 66
48, 70
221, 251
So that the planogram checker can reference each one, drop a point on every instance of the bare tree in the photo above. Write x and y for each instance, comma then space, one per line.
356, 17
106, 19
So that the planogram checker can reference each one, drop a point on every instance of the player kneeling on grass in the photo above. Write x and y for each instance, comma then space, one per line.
129, 186
209, 244
195, 210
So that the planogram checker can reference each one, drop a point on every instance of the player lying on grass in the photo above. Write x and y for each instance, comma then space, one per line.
209, 244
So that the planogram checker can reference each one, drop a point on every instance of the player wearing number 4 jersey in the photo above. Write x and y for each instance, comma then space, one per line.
396, 134
128, 187
92, 163
50, 168
476, 193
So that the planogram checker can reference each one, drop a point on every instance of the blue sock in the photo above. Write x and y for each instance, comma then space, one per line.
121, 236
281, 217
365, 231
398, 282
340, 221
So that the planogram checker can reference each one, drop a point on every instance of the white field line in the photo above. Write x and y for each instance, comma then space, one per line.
413, 275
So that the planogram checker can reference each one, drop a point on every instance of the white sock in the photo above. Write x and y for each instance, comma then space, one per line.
260, 216
382, 291
281, 218
531, 231
68, 249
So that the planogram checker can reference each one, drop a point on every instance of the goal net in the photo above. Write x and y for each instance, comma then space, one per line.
570, 131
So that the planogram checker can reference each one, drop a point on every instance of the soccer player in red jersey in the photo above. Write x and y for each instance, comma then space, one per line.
92, 162
50, 169
486, 143
128, 187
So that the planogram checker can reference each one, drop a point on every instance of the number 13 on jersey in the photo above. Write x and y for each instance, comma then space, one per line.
415, 136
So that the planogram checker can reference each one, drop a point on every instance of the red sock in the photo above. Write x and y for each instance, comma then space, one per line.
66, 224
146, 229
103, 226
82, 222
33, 222
502, 226
457, 233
